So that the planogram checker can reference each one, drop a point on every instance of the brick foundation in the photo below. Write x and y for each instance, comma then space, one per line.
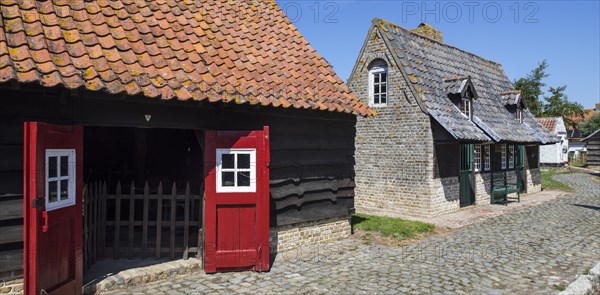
307, 235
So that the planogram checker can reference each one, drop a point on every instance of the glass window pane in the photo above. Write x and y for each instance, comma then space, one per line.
243, 161
376, 77
52, 166
383, 98
383, 77
227, 179
243, 178
64, 189
383, 88
376, 98
52, 191
64, 166
227, 161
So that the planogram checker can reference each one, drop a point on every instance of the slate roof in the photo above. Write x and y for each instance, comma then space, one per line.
512, 97
230, 51
428, 64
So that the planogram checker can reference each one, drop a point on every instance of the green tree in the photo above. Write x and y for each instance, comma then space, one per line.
557, 104
591, 125
531, 88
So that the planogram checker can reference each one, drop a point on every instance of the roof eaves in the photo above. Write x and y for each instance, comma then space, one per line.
487, 129
590, 136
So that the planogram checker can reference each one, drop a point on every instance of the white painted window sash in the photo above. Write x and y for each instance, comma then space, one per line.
377, 86
503, 155
235, 188
70, 177
477, 158
511, 156
486, 158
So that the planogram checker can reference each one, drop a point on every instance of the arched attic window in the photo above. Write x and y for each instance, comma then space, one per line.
378, 83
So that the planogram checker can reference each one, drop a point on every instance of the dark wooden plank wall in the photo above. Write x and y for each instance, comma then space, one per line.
312, 152
447, 160
11, 199
593, 150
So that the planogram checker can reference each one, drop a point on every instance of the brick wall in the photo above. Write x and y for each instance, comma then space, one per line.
482, 187
307, 237
445, 194
534, 180
393, 162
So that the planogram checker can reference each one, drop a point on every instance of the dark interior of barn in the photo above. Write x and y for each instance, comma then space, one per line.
116, 154
143, 193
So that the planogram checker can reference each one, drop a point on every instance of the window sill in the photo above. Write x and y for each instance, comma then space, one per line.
380, 105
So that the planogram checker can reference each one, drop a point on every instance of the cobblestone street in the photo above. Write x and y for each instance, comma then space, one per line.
529, 252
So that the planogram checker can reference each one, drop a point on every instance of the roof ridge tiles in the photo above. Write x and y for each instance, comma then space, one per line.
433, 40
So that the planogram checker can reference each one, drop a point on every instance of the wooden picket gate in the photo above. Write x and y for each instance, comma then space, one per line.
107, 233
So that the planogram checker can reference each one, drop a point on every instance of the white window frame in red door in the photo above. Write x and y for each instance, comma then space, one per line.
236, 189
70, 177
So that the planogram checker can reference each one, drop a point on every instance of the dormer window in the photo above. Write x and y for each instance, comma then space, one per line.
378, 80
461, 92
466, 107
514, 103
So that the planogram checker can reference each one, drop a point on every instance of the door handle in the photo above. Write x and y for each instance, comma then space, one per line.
45, 218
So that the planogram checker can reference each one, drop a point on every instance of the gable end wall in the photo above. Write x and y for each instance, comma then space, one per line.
394, 162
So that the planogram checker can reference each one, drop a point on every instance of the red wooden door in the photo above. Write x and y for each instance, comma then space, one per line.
236, 201
53, 177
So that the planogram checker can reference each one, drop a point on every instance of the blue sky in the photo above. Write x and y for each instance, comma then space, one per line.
517, 34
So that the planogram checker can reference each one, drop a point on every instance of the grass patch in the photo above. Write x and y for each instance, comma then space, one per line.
391, 227
548, 183
560, 287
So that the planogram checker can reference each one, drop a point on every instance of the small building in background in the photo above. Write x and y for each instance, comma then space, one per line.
577, 148
554, 154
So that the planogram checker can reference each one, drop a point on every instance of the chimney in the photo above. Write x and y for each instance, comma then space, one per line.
428, 31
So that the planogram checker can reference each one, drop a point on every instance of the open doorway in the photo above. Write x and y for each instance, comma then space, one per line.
143, 197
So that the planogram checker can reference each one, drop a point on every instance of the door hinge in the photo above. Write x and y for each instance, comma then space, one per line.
38, 202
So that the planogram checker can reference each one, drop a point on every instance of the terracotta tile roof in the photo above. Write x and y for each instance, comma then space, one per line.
548, 123
587, 114
230, 51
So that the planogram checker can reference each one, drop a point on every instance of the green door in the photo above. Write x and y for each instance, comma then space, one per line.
519, 167
467, 196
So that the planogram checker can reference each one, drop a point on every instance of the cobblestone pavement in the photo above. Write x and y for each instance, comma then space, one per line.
529, 252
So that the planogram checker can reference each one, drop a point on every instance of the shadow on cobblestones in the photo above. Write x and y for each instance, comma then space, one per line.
531, 251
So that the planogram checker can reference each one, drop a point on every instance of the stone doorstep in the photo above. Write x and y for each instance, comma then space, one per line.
142, 275
585, 284
11, 286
